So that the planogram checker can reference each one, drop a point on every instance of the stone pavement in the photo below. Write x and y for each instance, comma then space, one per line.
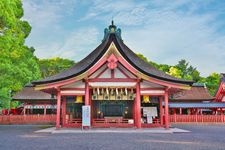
201, 137
53, 130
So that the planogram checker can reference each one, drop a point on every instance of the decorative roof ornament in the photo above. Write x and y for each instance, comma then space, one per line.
112, 62
112, 29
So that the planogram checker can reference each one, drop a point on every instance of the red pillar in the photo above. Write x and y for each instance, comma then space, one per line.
174, 111
63, 111
58, 109
44, 109
161, 110
87, 94
166, 109
138, 106
134, 111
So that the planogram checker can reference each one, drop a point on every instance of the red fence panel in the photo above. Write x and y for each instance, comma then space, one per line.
197, 118
27, 119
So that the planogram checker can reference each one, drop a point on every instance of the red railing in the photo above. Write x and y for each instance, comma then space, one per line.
28, 119
198, 118
76, 122
112, 122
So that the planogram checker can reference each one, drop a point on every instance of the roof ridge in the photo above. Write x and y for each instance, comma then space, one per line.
112, 34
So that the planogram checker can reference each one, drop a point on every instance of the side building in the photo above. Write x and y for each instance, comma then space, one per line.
197, 100
35, 102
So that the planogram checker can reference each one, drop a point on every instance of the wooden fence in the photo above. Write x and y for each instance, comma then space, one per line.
28, 119
51, 119
197, 118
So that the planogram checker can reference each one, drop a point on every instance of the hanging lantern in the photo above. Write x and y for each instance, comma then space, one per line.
146, 99
79, 99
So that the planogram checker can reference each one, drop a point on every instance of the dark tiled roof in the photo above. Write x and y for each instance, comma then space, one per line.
95, 55
196, 93
145, 67
28, 93
80, 67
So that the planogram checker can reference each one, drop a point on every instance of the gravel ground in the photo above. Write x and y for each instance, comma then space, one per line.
202, 137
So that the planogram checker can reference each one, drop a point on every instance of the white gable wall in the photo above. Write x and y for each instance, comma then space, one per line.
119, 74
106, 74
96, 73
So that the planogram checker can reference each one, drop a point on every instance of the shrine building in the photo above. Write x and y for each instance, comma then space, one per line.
121, 89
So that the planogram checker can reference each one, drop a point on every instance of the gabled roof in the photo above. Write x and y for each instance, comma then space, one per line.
221, 88
196, 93
28, 93
112, 34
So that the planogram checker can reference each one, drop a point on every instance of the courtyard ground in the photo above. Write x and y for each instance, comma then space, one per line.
201, 137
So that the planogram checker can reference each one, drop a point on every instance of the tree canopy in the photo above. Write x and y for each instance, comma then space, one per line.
53, 66
18, 64
184, 70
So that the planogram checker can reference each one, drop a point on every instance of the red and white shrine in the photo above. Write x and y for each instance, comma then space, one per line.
121, 89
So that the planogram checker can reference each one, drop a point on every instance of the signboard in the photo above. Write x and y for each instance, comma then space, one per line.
86, 115
150, 110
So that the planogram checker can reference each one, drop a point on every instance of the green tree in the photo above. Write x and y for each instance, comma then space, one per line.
18, 65
146, 60
212, 82
188, 71
164, 67
53, 66
173, 71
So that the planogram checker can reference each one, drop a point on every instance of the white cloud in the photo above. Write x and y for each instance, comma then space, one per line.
76, 45
163, 30
42, 13
79, 43
167, 31
124, 12
176, 36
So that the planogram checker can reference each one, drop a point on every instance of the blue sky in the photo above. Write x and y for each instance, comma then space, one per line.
165, 31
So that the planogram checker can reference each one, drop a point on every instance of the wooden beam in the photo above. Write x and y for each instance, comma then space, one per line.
161, 110
113, 80
63, 110
87, 95
72, 89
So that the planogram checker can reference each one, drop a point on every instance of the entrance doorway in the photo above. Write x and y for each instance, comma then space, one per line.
112, 113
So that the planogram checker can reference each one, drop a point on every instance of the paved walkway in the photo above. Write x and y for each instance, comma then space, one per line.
201, 137
53, 130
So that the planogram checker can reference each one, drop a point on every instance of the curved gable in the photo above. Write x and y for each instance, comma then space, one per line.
104, 50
